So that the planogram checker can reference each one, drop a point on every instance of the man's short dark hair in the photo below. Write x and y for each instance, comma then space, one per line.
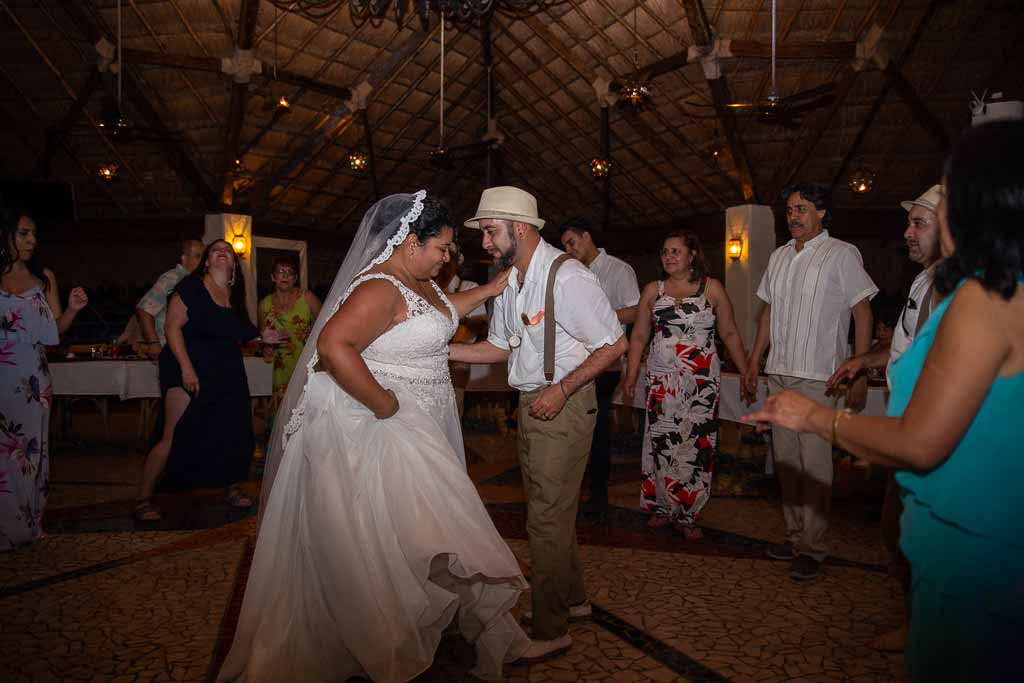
816, 193
578, 225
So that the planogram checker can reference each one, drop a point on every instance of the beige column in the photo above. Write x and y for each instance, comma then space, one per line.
754, 226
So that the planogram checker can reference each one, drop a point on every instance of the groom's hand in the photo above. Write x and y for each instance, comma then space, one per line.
549, 404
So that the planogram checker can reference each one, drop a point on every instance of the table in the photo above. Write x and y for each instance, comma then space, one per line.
128, 379
96, 380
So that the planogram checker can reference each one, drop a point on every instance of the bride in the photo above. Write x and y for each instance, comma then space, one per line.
372, 536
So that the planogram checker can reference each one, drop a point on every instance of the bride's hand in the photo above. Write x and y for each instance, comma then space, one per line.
498, 284
391, 407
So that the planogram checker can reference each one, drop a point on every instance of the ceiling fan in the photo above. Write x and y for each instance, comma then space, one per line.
786, 111
119, 129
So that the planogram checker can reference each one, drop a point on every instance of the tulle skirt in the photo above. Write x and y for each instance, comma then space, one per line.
374, 539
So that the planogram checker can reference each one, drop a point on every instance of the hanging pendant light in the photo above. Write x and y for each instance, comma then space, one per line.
862, 180
635, 94
440, 158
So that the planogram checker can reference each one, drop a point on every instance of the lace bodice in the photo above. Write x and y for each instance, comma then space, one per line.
415, 351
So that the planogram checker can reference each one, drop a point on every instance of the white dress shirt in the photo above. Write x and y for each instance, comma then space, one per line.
812, 292
618, 281
584, 320
906, 326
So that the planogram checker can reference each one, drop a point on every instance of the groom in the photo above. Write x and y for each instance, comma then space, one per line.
556, 420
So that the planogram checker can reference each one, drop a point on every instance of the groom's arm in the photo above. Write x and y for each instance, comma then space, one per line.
481, 352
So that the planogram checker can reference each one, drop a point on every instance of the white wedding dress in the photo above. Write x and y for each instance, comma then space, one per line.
374, 538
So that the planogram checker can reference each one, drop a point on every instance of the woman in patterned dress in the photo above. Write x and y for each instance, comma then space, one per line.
30, 319
683, 376
293, 310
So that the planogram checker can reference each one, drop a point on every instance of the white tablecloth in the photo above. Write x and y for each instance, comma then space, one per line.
136, 378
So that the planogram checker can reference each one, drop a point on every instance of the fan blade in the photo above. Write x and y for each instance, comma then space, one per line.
813, 104
822, 89
742, 105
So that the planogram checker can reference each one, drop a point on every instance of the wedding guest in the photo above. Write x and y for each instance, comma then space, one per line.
683, 381
922, 237
152, 307
30, 319
812, 288
954, 428
291, 310
618, 282
207, 438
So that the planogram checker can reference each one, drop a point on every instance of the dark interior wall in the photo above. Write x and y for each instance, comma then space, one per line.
131, 258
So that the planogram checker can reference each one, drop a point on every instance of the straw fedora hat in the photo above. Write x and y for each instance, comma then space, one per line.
506, 203
929, 200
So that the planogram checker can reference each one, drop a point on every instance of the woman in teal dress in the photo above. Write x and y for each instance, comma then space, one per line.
30, 320
956, 426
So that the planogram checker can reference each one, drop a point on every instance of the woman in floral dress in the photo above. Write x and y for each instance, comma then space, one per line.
683, 376
293, 310
30, 319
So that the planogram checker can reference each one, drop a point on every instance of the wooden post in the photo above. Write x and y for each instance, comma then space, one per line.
372, 163
606, 181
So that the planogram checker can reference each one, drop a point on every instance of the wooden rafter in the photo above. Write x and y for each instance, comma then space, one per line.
893, 68
91, 27
700, 31
577, 163
68, 149
844, 80
71, 93
399, 135
247, 16
308, 154
565, 53
340, 164
56, 138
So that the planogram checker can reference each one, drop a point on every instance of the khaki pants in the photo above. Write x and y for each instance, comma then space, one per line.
553, 456
803, 463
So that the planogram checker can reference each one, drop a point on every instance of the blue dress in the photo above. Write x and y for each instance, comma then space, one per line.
962, 530
26, 327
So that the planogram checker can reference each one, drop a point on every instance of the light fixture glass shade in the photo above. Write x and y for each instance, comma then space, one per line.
107, 172
735, 249
599, 167
862, 180
357, 161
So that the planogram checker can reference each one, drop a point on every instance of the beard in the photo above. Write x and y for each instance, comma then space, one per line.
508, 257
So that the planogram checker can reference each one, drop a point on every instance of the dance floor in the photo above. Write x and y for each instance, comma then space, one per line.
103, 598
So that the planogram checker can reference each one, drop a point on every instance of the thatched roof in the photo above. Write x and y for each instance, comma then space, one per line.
294, 167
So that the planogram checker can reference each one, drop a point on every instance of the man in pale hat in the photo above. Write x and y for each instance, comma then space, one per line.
556, 418
922, 237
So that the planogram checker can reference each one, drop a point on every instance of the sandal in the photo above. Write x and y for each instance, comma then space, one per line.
145, 511
658, 522
235, 498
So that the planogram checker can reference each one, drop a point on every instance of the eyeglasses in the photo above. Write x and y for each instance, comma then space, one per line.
288, 272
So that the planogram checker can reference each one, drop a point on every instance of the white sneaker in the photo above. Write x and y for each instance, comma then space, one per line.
578, 612
544, 650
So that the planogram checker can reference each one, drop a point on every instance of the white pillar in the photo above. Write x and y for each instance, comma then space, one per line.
754, 226
229, 226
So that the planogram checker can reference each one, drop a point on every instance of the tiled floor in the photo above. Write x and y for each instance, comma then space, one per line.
104, 599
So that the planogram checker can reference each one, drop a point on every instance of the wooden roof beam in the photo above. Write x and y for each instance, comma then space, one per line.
247, 16
56, 138
565, 53
700, 31
71, 93
334, 125
892, 68
91, 26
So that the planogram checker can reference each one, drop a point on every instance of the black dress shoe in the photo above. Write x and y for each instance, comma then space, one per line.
594, 512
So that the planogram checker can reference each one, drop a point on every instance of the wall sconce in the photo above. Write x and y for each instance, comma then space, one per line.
107, 172
735, 249
599, 168
238, 242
